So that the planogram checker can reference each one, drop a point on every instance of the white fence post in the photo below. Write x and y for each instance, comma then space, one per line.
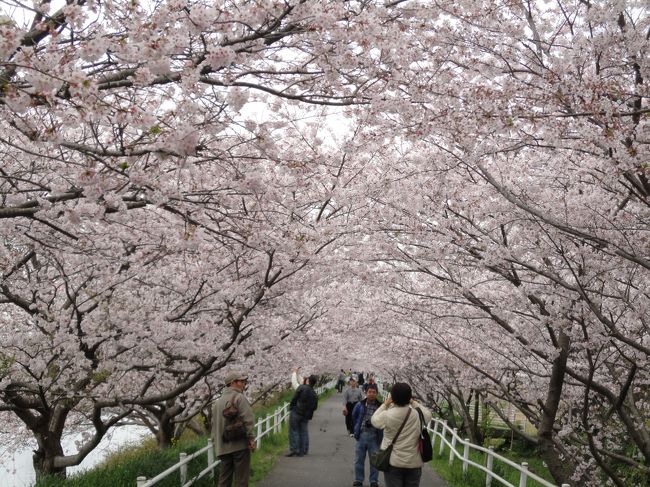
465, 456
433, 436
267, 425
490, 463
452, 450
523, 477
211, 457
183, 468
442, 438
259, 434
276, 421
140, 481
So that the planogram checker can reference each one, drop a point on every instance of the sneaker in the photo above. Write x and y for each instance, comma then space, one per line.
356, 483
352, 436
374, 484
291, 454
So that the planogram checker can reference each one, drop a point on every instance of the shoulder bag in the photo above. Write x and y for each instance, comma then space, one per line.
381, 458
234, 428
424, 441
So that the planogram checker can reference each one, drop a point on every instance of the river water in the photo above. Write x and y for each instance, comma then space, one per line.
16, 465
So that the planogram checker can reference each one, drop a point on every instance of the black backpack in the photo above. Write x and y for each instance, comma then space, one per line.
305, 401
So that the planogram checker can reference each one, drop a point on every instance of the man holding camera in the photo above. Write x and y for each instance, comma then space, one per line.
368, 437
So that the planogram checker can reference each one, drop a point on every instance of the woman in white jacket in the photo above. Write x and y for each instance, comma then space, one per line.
405, 461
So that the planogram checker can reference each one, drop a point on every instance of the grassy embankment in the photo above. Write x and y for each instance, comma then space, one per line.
122, 468
476, 478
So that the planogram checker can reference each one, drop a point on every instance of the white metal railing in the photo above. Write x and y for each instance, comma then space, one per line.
441, 430
264, 426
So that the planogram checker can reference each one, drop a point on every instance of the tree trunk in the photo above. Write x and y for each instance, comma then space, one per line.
165, 432
49, 447
164, 415
449, 414
477, 405
561, 468
473, 432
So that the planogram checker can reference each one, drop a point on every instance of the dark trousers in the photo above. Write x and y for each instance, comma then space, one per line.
348, 418
402, 477
237, 464
298, 433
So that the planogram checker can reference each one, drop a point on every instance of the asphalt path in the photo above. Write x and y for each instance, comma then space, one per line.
331, 456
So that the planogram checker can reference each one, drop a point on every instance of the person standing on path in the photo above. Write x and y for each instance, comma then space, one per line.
302, 406
351, 396
405, 461
296, 381
368, 437
235, 454
341, 381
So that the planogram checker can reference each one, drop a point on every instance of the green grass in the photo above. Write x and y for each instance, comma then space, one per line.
122, 468
476, 478
265, 457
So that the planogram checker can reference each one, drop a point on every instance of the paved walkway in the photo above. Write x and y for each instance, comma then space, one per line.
331, 456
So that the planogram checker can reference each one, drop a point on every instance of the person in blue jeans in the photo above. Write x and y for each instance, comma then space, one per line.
303, 405
405, 460
368, 437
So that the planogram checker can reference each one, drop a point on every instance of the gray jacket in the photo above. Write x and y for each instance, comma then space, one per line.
352, 395
231, 396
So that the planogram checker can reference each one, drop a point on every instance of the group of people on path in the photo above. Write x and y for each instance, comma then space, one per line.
345, 377
373, 425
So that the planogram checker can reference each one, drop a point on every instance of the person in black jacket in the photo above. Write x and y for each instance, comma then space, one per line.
303, 405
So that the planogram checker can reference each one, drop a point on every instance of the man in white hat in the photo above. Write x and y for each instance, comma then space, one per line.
233, 433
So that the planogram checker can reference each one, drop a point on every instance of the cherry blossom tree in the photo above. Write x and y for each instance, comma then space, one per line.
522, 241
177, 200
148, 213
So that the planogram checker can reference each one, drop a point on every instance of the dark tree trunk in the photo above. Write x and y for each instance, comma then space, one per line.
49, 447
47, 428
164, 427
560, 467
477, 405
165, 433
470, 428
449, 414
